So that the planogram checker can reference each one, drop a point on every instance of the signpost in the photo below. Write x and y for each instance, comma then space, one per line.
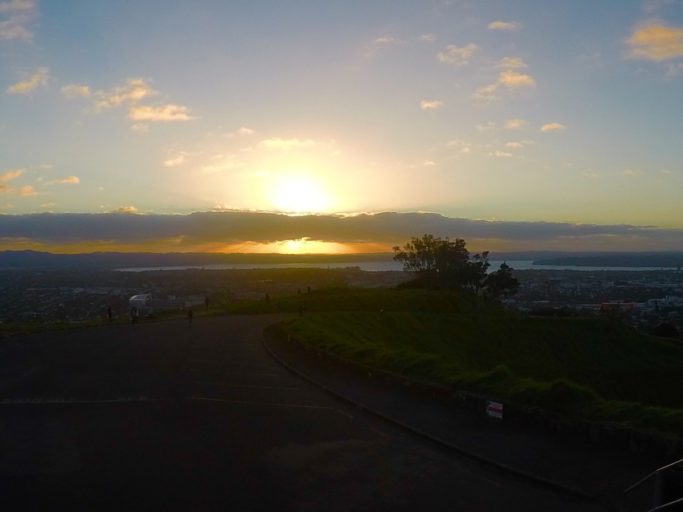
494, 410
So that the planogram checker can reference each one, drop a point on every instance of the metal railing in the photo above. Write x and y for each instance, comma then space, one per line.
666, 481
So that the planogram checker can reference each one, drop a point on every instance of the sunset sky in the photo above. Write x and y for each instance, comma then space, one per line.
503, 113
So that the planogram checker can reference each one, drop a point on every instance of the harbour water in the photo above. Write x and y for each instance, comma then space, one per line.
385, 266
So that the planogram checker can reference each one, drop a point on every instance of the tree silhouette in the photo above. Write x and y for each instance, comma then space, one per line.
501, 283
442, 263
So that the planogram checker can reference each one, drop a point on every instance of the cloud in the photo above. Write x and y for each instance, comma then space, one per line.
515, 124
514, 145
427, 38
464, 147
27, 191
510, 26
76, 91
651, 6
245, 131
286, 144
176, 158
553, 127
502, 154
390, 228
139, 127
38, 79
385, 40
10, 175
507, 78
457, 55
656, 42
632, 173
512, 63
487, 92
511, 78
379, 44
19, 14
133, 91
159, 113
17, 6
69, 180
431, 104
242, 131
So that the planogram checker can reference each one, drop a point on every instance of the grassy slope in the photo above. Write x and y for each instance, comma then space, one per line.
584, 367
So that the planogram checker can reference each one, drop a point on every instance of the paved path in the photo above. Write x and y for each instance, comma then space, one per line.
176, 417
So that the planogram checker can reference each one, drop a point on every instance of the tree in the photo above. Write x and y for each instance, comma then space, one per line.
501, 283
442, 263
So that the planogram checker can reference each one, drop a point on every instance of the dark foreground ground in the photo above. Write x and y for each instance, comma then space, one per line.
174, 417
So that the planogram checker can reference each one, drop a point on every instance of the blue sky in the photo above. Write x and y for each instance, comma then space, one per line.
493, 110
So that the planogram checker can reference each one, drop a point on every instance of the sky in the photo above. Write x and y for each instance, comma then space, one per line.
498, 114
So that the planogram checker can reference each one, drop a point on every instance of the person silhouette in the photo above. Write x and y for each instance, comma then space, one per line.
190, 314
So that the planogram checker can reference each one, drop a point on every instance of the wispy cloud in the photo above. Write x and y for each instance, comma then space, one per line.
553, 127
8, 176
27, 191
242, 131
11, 175
278, 143
159, 113
431, 104
69, 180
457, 55
514, 145
133, 91
487, 92
76, 91
656, 42
176, 158
632, 173
512, 63
17, 15
652, 6
515, 124
379, 44
509, 26
139, 127
511, 78
463, 146
38, 79
427, 38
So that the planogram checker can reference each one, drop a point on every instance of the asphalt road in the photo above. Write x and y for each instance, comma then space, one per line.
177, 417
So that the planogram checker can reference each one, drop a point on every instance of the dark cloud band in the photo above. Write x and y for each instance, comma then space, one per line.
236, 226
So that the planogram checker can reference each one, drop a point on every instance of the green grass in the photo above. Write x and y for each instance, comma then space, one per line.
583, 367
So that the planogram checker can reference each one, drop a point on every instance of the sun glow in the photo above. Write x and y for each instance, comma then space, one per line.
299, 194
295, 246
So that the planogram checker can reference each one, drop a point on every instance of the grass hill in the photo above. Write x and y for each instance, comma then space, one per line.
584, 367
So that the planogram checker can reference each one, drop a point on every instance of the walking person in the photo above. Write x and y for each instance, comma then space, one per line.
190, 314
110, 315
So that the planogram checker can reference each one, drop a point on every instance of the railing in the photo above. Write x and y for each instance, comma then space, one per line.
666, 492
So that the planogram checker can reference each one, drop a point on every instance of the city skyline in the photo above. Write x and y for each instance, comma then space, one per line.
493, 113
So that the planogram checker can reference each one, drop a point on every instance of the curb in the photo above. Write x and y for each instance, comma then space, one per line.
557, 486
